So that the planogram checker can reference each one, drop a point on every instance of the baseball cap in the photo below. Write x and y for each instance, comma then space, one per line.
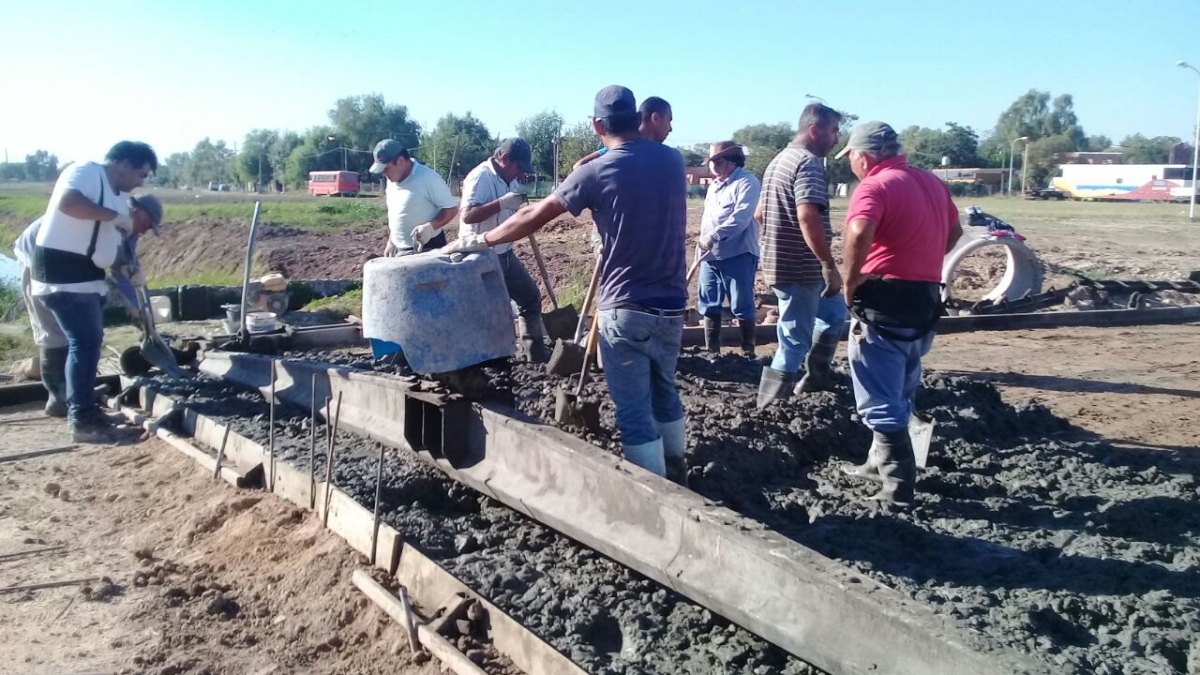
870, 137
615, 101
386, 152
153, 208
518, 151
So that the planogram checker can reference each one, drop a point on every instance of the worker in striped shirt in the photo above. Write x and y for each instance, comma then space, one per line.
796, 260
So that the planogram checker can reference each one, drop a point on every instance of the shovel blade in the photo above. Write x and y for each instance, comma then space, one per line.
160, 356
566, 359
560, 323
569, 411
920, 432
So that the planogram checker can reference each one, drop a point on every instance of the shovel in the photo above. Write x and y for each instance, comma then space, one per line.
568, 355
920, 433
560, 322
153, 348
569, 411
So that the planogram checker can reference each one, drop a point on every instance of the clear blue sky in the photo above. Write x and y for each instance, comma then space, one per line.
77, 76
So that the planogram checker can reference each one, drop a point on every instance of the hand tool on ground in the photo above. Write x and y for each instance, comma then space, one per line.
243, 333
561, 321
567, 356
920, 432
568, 409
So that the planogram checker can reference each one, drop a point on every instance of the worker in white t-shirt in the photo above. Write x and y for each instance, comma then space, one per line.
419, 202
77, 241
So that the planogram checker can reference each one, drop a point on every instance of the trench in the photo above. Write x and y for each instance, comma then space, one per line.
1056, 543
605, 617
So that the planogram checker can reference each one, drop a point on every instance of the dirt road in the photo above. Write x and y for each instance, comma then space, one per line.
191, 576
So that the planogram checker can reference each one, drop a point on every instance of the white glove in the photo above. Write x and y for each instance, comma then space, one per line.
137, 277
423, 233
123, 222
467, 243
512, 201
597, 243
705, 243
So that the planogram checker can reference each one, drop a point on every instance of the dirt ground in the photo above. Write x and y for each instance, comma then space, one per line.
192, 576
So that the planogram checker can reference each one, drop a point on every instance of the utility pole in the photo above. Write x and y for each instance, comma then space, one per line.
453, 157
1025, 169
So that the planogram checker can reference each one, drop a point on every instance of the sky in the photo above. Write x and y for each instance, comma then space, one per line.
78, 76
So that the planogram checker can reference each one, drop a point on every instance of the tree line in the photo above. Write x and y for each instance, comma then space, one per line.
456, 143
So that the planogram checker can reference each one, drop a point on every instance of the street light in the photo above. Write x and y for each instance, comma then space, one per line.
1012, 150
1195, 145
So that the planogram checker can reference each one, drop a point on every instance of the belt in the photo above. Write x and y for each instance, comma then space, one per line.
652, 310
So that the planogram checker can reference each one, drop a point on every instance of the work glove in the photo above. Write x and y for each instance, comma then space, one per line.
706, 242
597, 243
512, 201
833, 280
123, 222
467, 243
423, 233
137, 278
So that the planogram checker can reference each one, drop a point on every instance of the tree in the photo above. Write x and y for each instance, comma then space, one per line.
318, 150
12, 171
695, 155
171, 170
279, 153
1098, 143
208, 162
465, 141
41, 166
359, 122
1044, 155
1141, 150
577, 142
542, 131
253, 164
1037, 117
926, 147
762, 142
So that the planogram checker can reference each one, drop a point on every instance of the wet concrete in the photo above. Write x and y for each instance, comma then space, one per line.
603, 616
1051, 541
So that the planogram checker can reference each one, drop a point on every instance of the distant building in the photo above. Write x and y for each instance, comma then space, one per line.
992, 179
699, 175
1091, 158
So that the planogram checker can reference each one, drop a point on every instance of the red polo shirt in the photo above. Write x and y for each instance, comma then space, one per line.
912, 211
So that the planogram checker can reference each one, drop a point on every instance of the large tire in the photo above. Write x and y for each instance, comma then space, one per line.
1023, 274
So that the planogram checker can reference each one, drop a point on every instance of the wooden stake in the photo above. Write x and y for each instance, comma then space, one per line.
378, 489
312, 447
271, 436
48, 584
329, 456
221, 452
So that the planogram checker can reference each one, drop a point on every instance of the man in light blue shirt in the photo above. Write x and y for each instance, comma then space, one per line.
728, 246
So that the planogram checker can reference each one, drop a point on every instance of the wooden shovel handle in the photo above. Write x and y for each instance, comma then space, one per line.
541, 262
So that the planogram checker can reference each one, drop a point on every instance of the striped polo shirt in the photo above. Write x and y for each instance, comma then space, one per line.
795, 176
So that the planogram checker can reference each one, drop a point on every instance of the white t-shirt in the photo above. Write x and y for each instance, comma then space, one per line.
481, 186
414, 201
65, 233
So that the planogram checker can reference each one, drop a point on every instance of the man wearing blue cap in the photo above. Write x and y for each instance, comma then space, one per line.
419, 202
637, 192
490, 197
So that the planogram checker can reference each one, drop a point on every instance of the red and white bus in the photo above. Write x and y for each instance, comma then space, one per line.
340, 183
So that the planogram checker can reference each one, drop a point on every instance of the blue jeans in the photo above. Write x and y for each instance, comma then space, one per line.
886, 374
521, 287
802, 312
81, 318
732, 278
640, 351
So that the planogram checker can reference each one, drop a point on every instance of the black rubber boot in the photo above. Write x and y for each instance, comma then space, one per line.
533, 339
712, 334
53, 362
676, 471
749, 339
818, 375
897, 468
775, 385
868, 470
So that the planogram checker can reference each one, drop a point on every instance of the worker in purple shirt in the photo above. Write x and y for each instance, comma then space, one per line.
637, 192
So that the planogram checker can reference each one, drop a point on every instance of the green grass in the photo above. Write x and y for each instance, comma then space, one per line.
16, 342
340, 305
316, 215
572, 292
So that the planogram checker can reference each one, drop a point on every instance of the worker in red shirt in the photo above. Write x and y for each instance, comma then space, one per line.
901, 223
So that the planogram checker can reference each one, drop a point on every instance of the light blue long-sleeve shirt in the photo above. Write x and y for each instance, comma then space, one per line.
728, 220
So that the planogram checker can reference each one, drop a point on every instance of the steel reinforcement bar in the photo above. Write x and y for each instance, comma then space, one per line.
814, 607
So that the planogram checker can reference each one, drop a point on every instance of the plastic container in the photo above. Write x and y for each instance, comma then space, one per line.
446, 313
260, 322
161, 306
